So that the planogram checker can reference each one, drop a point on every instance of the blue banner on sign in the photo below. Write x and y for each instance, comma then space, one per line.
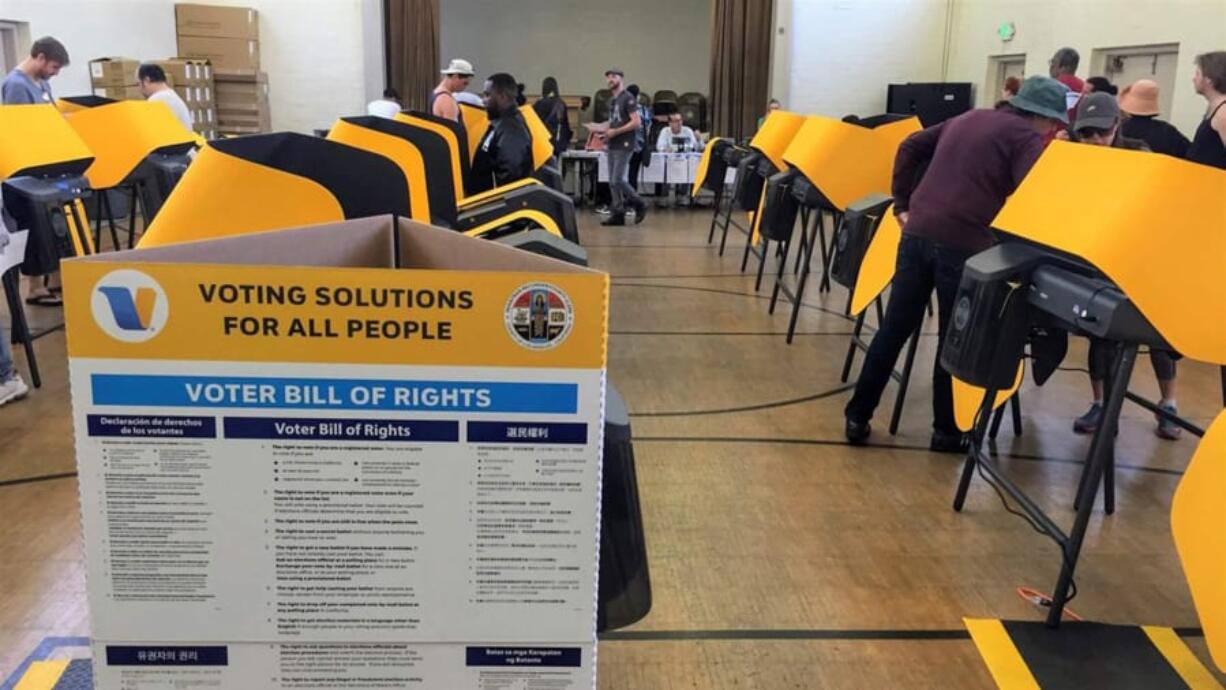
193, 655
340, 394
524, 656
162, 426
536, 433
303, 429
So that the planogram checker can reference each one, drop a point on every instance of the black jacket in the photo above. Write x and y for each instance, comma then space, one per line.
1162, 137
505, 153
552, 112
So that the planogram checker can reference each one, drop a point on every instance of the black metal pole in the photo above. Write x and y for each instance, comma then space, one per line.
972, 454
1100, 449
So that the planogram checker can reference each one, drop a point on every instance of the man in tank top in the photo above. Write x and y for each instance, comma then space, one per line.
1209, 143
455, 79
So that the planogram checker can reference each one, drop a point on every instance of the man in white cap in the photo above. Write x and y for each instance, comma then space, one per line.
455, 79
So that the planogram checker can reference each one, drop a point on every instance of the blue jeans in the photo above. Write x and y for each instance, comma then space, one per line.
6, 357
619, 181
922, 265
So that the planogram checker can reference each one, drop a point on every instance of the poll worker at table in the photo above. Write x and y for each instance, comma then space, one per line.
456, 76
1098, 124
1209, 143
676, 138
27, 84
505, 153
153, 87
974, 162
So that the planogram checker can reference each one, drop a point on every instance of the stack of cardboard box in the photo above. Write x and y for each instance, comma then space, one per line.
115, 77
229, 37
192, 79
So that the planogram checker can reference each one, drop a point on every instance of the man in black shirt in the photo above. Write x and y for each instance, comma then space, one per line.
624, 124
1140, 102
505, 153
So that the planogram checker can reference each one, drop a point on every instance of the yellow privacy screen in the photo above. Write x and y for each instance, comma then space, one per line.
776, 133
1155, 225
35, 139
123, 133
542, 143
476, 122
1197, 516
270, 181
703, 163
453, 143
847, 162
400, 151
877, 268
968, 398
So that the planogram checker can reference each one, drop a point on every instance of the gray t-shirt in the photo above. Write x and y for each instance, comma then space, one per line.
620, 110
20, 89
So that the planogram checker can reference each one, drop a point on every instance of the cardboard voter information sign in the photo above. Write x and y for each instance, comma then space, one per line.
358, 455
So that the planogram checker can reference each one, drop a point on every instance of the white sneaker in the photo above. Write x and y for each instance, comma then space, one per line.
13, 389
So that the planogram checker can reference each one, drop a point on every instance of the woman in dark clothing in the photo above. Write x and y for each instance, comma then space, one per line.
552, 111
1139, 101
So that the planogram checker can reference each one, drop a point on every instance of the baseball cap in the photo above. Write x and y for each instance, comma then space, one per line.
458, 66
1042, 96
1097, 110
614, 70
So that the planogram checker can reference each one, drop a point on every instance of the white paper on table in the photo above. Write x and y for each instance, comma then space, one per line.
15, 252
678, 168
654, 173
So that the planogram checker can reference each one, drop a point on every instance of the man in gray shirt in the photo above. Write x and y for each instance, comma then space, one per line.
624, 124
25, 85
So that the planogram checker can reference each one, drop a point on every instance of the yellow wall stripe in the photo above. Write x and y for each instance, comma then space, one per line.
42, 675
1181, 658
1004, 662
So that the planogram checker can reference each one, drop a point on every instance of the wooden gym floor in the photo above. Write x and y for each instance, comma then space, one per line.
780, 557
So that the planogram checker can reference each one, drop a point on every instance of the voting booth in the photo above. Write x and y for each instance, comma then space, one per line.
364, 454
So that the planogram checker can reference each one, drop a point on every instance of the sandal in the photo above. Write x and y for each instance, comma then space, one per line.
47, 300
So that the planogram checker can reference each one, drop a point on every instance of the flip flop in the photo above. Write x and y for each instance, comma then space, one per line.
49, 300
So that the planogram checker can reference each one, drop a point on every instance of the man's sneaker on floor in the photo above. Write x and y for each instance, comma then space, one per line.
640, 213
13, 389
857, 432
602, 210
1166, 428
1088, 422
615, 219
949, 442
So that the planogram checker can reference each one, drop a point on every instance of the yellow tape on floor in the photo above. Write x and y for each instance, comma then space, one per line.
1004, 662
1181, 658
42, 675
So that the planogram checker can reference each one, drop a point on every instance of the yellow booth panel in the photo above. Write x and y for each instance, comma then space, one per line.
1155, 225
847, 162
204, 204
1197, 516
35, 136
703, 164
776, 133
123, 133
968, 398
401, 151
542, 142
877, 269
68, 106
476, 122
457, 170
482, 197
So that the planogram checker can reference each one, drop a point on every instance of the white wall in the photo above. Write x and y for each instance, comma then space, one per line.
314, 51
843, 53
660, 45
1043, 26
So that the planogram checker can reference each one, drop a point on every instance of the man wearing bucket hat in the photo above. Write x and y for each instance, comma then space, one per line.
456, 76
974, 162
1139, 101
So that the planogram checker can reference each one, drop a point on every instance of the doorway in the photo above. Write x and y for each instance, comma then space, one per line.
1124, 65
1000, 68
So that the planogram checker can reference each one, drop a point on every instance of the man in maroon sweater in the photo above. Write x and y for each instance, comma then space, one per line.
974, 162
